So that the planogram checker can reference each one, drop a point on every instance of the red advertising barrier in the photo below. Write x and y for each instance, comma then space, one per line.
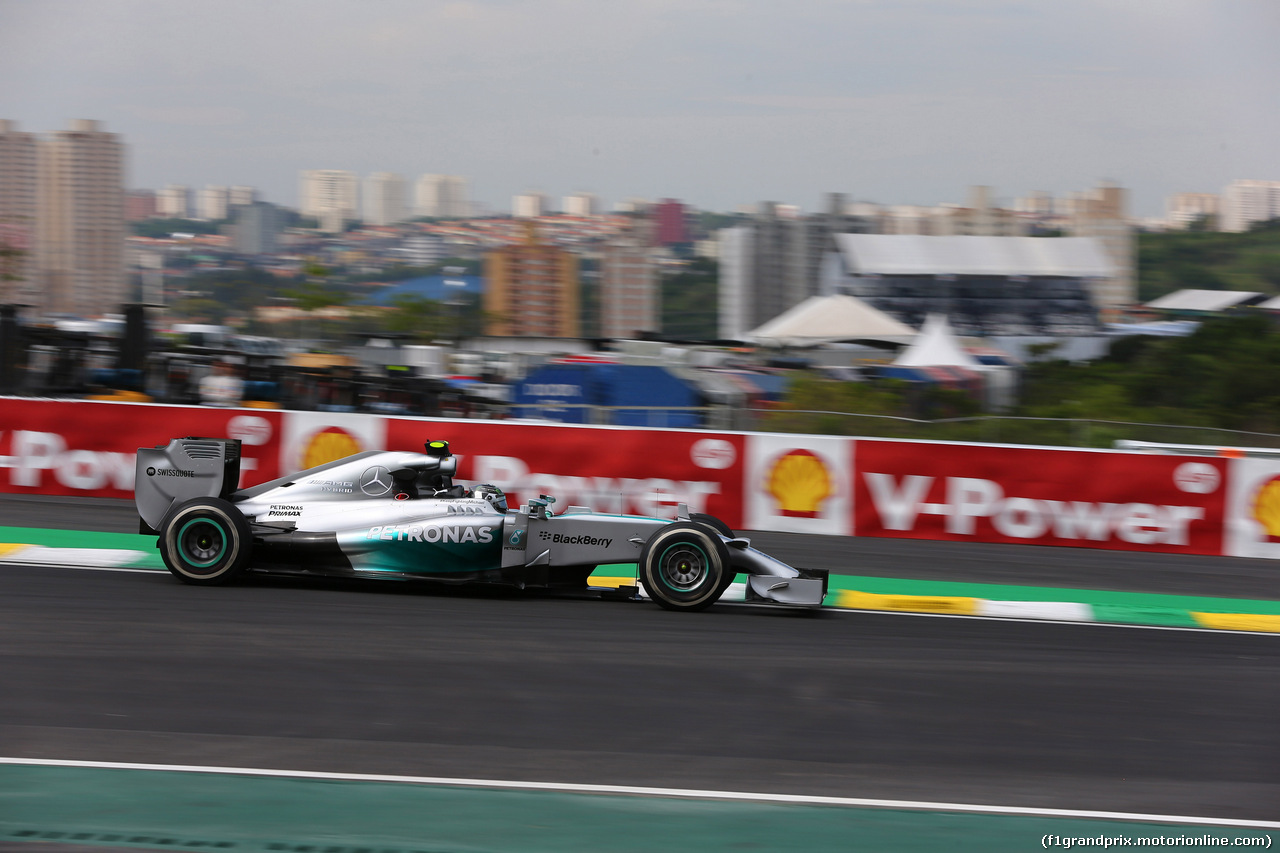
73, 447
802, 484
633, 471
1100, 499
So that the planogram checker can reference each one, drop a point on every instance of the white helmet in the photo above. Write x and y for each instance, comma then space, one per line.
492, 494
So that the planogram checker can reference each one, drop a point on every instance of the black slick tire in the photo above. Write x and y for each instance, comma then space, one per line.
724, 530
205, 541
683, 565
714, 523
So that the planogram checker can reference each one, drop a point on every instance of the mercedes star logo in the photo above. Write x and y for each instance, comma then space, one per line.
375, 481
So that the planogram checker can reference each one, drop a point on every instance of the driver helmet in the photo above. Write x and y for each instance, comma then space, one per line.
492, 494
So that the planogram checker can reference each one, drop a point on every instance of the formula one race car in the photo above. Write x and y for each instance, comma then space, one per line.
390, 514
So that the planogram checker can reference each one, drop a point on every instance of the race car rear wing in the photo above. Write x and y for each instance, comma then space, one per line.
185, 468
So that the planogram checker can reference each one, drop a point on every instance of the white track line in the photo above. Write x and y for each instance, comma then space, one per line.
15, 563
95, 557
681, 793
1127, 625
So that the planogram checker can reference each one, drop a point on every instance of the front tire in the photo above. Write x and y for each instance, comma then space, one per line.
714, 523
727, 532
683, 566
205, 541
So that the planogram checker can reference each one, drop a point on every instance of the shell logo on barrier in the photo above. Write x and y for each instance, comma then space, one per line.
329, 445
1266, 508
799, 481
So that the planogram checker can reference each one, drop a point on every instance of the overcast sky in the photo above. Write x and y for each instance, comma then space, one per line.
716, 102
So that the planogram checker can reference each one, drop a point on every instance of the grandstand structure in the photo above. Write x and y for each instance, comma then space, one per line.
985, 286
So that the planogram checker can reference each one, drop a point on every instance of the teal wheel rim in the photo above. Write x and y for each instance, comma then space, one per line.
202, 542
683, 567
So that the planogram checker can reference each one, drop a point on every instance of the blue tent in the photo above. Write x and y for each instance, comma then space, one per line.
629, 394
430, 286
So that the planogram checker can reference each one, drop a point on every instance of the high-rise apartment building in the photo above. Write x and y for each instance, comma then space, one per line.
1038, 203
1183, 209
213, 203
139, 205
979, 219
19, 197
531, 289
671, 223
386, 199
630, 290
332, 196
633, 205
443, 196
174, 202
1101, 213
1247, 202
529, 205
580, 204
81, 231
241, 195
773, 263
256, 228
737, 315
905, 219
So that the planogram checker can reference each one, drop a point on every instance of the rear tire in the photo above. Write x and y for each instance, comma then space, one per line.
683, 566
205, 541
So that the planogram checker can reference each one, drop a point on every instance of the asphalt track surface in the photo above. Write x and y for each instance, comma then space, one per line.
972, 562
390, 679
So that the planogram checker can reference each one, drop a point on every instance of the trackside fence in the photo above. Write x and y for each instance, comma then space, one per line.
899, 486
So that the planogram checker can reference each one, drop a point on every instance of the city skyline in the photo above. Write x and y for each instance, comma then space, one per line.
717, 104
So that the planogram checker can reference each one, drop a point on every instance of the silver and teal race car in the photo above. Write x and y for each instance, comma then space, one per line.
392, 514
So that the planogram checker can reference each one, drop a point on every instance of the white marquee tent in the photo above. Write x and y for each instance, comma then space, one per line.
830, 319
936, 346
1209, 301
